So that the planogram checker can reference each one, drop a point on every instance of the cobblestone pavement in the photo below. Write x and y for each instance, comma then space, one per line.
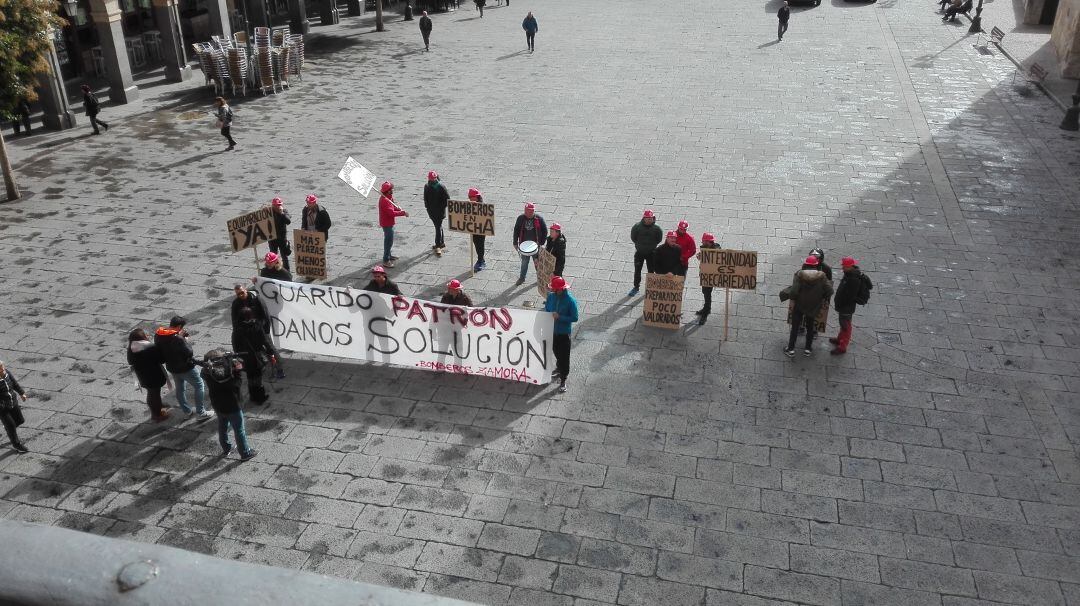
934, 464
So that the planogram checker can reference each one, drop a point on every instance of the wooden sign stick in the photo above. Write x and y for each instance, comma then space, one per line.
255, 249
472, 265
727, 305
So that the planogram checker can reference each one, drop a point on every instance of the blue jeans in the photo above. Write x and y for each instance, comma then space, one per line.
525, 262
235, 419
387, 242
192, 376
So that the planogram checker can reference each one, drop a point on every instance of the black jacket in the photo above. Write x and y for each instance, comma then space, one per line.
276, 274
252, 344
783, 14
388, 287
281, 224
810, 289
9, 391
146, 361
538, 234
224, 395
435, 195
848, 291
667, 259
461, 299
425, 25
175, 350
90, 102
557, 247
646, 237
256, 305
321, 223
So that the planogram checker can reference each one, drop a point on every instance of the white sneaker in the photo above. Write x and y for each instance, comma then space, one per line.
206, 414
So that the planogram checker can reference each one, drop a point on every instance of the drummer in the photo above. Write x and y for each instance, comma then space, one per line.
529, 227
556, 245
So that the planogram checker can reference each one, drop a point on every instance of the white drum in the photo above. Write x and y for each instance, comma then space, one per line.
528, 248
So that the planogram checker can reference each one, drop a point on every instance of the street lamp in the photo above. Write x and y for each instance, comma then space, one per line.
976, 21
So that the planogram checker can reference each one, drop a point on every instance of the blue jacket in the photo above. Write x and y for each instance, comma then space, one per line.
529, 25
566, 305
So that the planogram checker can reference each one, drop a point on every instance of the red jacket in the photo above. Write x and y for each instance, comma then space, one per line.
388, 211
688, 246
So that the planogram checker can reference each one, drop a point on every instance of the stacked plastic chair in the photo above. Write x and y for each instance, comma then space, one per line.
264, 60
238, 69
206, 64
221, 69
294, 44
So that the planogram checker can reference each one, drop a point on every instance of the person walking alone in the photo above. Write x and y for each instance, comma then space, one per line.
10, 413
564, 308
435, 200
854, 289
646, 236
175, 348
707, 241
478, 241
810, 289
280, 244
425, 30
530, 26
480, 6
224, 121
222, 376
528, 227
145, 360
782, 17
388, 214
22, 115
93, 108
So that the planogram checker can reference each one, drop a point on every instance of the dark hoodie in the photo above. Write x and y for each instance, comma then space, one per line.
254, 303
557, 247
173, 345
388, 287
146, 361
848, 291
667, 259
435, 195
811, 290
646, 237
275, 274
249, 340
224, 391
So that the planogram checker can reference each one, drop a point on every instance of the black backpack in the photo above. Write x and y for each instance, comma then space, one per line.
865, 286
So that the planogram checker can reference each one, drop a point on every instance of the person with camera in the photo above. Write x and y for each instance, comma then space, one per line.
175, 348
221, 372
254, 348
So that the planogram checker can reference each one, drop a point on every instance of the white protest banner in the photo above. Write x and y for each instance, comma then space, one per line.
358, 177
498, 342
252, 229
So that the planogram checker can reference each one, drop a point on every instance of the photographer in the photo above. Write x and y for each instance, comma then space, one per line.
173, 345
221, 372
254, 348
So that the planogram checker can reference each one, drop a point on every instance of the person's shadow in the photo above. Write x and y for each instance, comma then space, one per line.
769, 44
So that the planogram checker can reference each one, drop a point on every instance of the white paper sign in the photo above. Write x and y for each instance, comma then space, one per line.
499, 342
358, 177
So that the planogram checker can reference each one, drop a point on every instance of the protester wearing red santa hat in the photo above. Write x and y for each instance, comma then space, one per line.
388, 214
810, 289
556, 245
478, 241
707, 241
528, 227
454, 295
274, 269
687, 246
646, 236
280, 244
564, 308
854, 289
315, 217
380, 283
667, 258
435, 199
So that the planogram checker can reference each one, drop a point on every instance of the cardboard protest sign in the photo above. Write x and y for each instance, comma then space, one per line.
822, 317
310, 250
252, 229
476, 218
358, 177
498, 342
663, 301
545, 269
723, 268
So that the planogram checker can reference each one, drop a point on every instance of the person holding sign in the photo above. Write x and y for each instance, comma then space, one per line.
854, 290
380, 283
707, 241
564, 308
810, 289
687, 247
556, 245
529, 227
315, 217
667, 258
478, 241
280, 244
646, 236
435, 199
274, 269
454, 295
388, 214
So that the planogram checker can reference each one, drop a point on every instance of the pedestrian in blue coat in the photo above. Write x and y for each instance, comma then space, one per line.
563, 307
530, 27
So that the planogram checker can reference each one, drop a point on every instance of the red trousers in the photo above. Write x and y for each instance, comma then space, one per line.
844, 337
